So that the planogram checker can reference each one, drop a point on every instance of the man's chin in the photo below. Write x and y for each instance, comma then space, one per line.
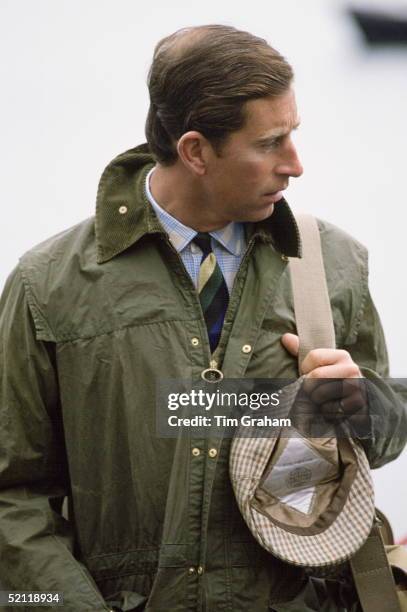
263, 213
255, 215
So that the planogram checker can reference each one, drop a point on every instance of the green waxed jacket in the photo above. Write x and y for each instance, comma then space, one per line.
89, 321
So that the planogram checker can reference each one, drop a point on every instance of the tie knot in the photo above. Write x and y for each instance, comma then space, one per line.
203, 240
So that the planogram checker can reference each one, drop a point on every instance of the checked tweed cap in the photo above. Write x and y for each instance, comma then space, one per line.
299, 519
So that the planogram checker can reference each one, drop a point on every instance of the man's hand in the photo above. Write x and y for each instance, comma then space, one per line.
332, 380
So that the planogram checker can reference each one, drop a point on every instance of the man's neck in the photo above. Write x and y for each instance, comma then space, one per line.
180, 195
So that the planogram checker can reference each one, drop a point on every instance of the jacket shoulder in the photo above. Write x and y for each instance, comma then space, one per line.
335, 240
61, 244
53, 268
346, 269
345, 258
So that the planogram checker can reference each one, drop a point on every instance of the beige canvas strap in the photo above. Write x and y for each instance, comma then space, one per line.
373, 576
311, 300
371, 571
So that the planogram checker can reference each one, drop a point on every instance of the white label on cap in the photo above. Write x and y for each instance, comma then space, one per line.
300, 500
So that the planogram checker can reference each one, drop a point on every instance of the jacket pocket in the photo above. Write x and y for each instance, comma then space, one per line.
125, 579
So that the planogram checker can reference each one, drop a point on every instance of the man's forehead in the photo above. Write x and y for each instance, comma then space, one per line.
272, 116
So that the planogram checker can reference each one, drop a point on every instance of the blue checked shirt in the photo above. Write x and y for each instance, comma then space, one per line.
228, 243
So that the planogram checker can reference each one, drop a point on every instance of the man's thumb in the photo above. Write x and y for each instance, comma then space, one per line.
291, 342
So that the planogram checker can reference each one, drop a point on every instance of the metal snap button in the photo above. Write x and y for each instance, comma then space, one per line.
246, 348
123, 210
200, 570
196, 452
212, 452
191, 571
195, 341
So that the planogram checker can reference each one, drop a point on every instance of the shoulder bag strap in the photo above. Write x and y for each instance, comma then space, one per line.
312, 307
370, 568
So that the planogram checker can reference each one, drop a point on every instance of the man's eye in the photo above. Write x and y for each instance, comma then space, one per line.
272, 144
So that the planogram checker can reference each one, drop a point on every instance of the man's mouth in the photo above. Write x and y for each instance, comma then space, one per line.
273, 193
274, 196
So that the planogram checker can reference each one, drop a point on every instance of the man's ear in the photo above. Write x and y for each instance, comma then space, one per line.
193, 151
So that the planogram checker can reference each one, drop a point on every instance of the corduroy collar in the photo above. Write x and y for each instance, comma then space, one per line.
124, 214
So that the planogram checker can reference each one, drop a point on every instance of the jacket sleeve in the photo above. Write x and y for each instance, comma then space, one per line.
36, 542
387, 398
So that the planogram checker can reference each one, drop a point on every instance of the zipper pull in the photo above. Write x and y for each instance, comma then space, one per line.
212, 374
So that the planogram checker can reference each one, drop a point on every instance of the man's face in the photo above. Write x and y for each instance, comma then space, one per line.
255, 163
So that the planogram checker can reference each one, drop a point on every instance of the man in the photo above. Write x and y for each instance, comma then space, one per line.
94, 318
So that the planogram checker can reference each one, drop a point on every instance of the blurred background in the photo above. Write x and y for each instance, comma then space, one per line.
73, 83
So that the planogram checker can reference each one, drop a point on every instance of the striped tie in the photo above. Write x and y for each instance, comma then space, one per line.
212, 289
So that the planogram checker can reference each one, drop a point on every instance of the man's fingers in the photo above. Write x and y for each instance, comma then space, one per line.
322, 357
337, 370
291, 343
322, 390
334, 399
318, 362
344, 408
325, 389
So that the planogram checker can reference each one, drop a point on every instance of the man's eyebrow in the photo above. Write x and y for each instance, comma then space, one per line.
277, 133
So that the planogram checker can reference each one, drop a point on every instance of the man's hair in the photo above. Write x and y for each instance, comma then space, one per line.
201, 78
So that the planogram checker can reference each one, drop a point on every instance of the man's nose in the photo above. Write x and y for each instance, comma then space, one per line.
291, 165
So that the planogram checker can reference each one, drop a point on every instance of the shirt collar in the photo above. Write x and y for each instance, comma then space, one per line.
231, 237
